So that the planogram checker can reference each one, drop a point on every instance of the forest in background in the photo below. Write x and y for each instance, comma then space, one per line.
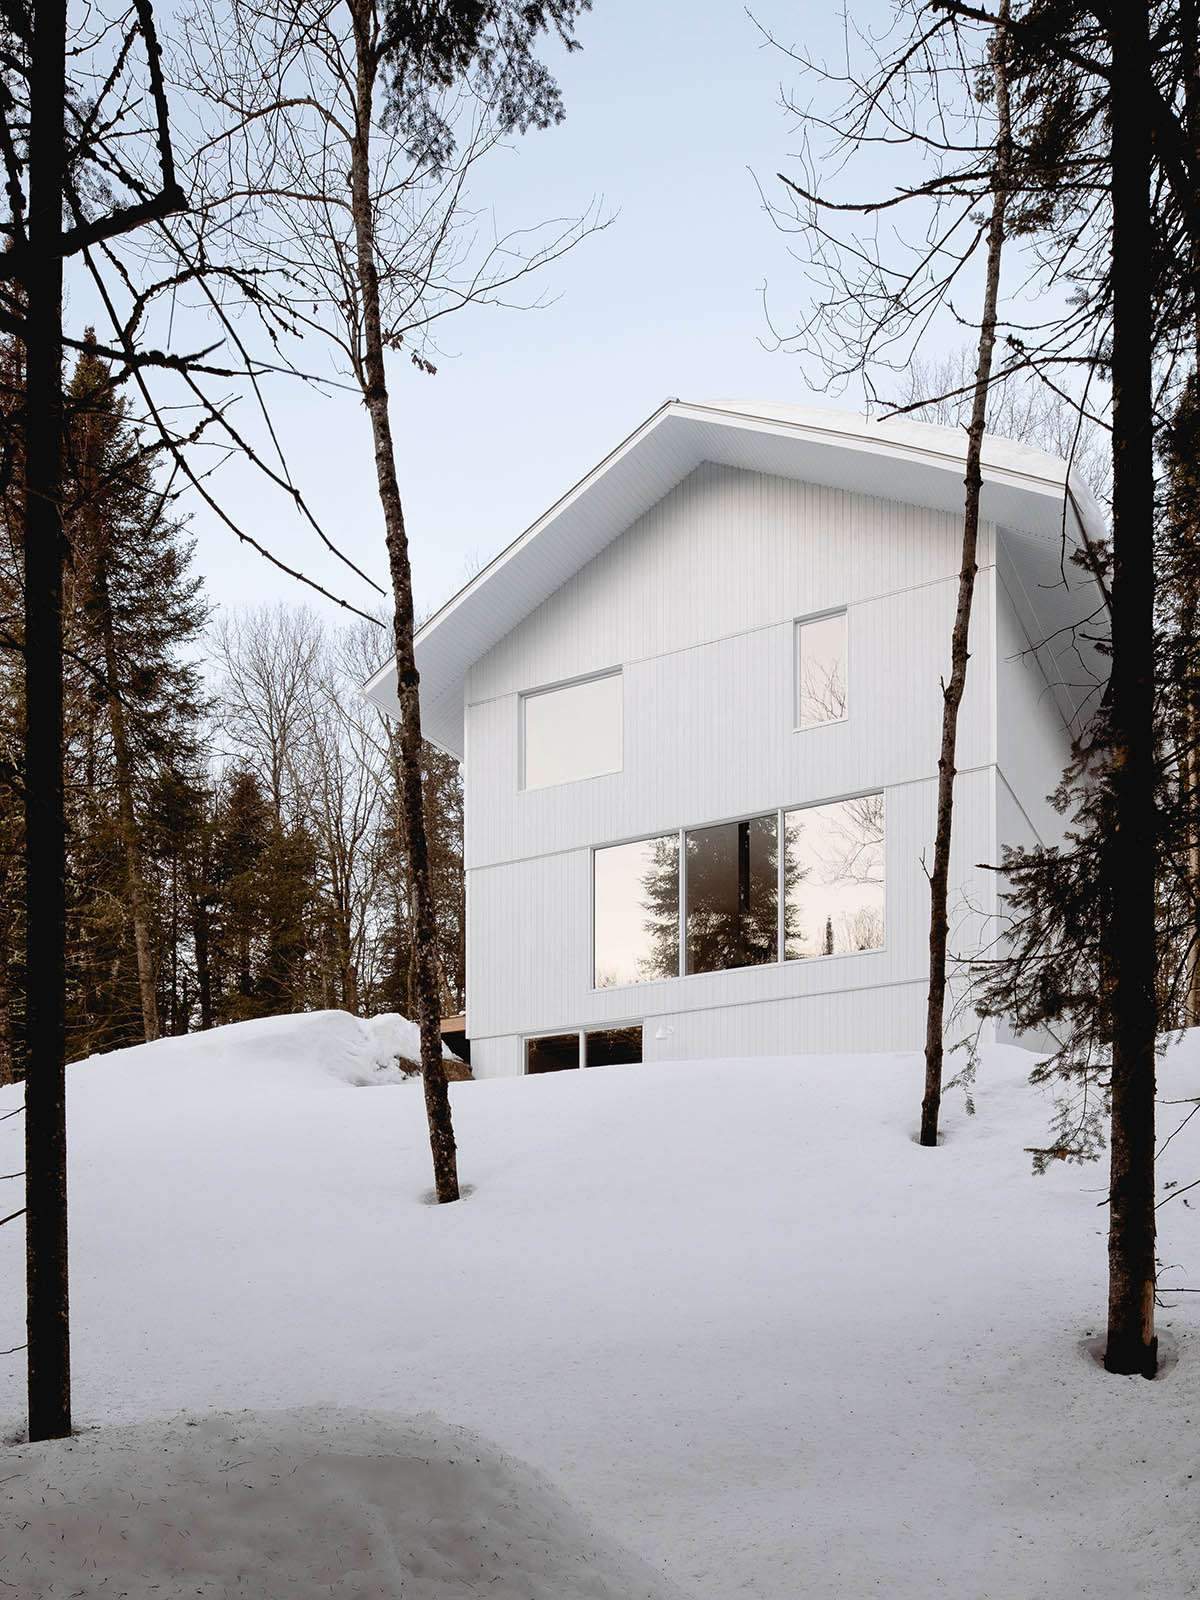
236, 846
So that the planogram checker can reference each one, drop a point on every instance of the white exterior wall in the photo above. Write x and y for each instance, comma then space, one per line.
696, 603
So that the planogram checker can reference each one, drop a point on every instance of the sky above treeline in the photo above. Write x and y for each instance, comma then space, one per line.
673, 110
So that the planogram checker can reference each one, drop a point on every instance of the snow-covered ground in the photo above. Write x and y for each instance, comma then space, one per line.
730, 1310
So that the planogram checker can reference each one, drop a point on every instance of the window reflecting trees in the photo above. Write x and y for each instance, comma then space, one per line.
732, 878
835, 868
821, 670
636, 911
831, 878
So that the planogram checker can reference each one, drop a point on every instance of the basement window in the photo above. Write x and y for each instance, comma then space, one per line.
592, 1047
553, 1053
613, 1047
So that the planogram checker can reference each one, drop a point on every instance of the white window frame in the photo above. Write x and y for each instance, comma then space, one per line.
553, 688
834, 722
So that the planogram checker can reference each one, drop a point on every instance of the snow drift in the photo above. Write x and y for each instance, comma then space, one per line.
730, 1309
294, 1505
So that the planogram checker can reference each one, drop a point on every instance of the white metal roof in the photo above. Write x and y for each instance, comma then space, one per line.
1025, 493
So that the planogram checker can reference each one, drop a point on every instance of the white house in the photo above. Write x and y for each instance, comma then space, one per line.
699, 707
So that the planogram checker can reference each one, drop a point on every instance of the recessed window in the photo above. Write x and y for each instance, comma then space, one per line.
821, 670
553, 1053
613, 1047
636, 912
571, 732
833, 878
732, 887
597, 1047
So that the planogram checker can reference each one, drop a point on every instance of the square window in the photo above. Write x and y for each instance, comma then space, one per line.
571, 732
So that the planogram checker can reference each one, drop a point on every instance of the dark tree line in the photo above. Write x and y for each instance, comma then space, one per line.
234, 850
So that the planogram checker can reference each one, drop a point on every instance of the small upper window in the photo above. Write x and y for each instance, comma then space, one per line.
821, 670
571, 732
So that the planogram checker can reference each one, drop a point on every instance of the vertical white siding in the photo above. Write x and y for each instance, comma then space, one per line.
696, 603
1032, 742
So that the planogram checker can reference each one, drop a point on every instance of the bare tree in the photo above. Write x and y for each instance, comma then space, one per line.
357, 200
952, 691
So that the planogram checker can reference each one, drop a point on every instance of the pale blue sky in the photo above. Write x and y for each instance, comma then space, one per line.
670, 108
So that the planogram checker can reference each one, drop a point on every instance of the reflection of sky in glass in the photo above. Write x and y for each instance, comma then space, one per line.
573, 732
627, 917
835, 868
821, 671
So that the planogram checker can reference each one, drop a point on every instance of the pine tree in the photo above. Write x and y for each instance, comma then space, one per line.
135, 699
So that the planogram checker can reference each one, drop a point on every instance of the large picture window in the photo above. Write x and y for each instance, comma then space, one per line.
636, 911
779, 887
732, 884
821, 670
571, 732
833, 873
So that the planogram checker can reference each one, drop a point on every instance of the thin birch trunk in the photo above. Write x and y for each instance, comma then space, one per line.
952, 692
135, 884
1129, 859
375, 394
47, 1297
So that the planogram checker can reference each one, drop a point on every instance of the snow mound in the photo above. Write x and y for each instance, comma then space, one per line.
293, 1505
361, 1051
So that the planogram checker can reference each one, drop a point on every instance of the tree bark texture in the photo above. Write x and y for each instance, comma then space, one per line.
47, 1310
433, 1072
1129, 859
952, 691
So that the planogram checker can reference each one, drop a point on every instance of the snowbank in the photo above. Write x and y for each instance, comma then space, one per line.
273, 1052
294, 1505
730, 1308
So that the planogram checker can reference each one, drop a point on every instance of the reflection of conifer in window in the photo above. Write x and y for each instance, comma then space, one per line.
660, 899
732, 895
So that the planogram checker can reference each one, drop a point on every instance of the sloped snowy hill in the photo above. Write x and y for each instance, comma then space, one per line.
729, 1309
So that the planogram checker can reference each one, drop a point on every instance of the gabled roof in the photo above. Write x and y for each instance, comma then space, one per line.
1025, 492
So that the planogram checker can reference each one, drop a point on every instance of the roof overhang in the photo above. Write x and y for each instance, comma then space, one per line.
1025, 493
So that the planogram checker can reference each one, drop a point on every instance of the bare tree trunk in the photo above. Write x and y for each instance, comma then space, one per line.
437, 1098
200, 944
127, 817
8, 1061
952, 692
1129, 859
48, 1320
1189, 29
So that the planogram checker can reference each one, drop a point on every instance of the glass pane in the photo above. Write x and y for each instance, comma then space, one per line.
614, 1047
732, 895
573, 732
833, 878
552, 1054
821, 671
636, 907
